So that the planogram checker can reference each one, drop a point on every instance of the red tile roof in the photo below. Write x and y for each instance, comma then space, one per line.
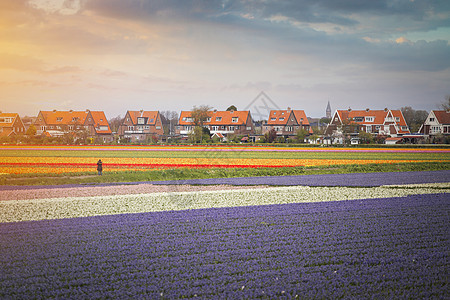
281, 117
100, 120
219, 117
442, 116
150, 115
64, 117
12, 116
378, 115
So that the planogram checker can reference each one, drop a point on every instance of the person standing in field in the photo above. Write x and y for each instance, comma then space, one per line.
99, 167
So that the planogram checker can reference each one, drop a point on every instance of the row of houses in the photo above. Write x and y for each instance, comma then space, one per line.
141, 125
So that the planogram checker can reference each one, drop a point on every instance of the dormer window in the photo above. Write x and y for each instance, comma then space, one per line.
273, 119
370, 119
59, 119
141, 121
281, 119
218, 119
208, 119
234, 119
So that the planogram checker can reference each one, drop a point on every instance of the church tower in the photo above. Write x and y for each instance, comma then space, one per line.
328, 110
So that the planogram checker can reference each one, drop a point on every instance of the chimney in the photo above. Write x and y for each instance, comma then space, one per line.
367, 109
215, 110
349, 109
142, 112
385, 109
87, 110
288, 109
54, 110
71, 111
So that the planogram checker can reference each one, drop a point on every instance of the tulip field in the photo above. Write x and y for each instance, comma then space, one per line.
378, 235
21, 160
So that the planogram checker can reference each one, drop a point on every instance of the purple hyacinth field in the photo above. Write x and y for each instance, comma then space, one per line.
372, 248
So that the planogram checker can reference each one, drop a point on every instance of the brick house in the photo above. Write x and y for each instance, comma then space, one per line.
377, 122
89, 124
141, 125
437, 122
287, 122
11, 124
223, 122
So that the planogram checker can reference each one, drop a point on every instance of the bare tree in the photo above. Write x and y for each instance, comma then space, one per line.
169, 119
446, 104
200, 114
114, 123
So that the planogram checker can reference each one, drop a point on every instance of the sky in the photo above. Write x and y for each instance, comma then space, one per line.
119, 55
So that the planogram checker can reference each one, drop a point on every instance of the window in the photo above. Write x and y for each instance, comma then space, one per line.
358, 119
369, 119
288, 128
273, 119
231, 128
218, 119
151, 120
397, 119
158, 127
222, 127
281, 119
147, 127
208, 119
141, 121
59, 119
6, 120
404, 128
237, 127
377, 127
431, 119
249, 128
369, 128
234, 119
215, 128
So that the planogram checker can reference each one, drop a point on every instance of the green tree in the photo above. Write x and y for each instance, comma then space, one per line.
270, 136
301, 135
31, 131
365, 137
232, 108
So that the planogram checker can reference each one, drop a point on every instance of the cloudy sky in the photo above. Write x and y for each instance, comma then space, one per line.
118, 55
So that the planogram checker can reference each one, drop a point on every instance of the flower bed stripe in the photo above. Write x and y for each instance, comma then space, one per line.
381, 248
223, 149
